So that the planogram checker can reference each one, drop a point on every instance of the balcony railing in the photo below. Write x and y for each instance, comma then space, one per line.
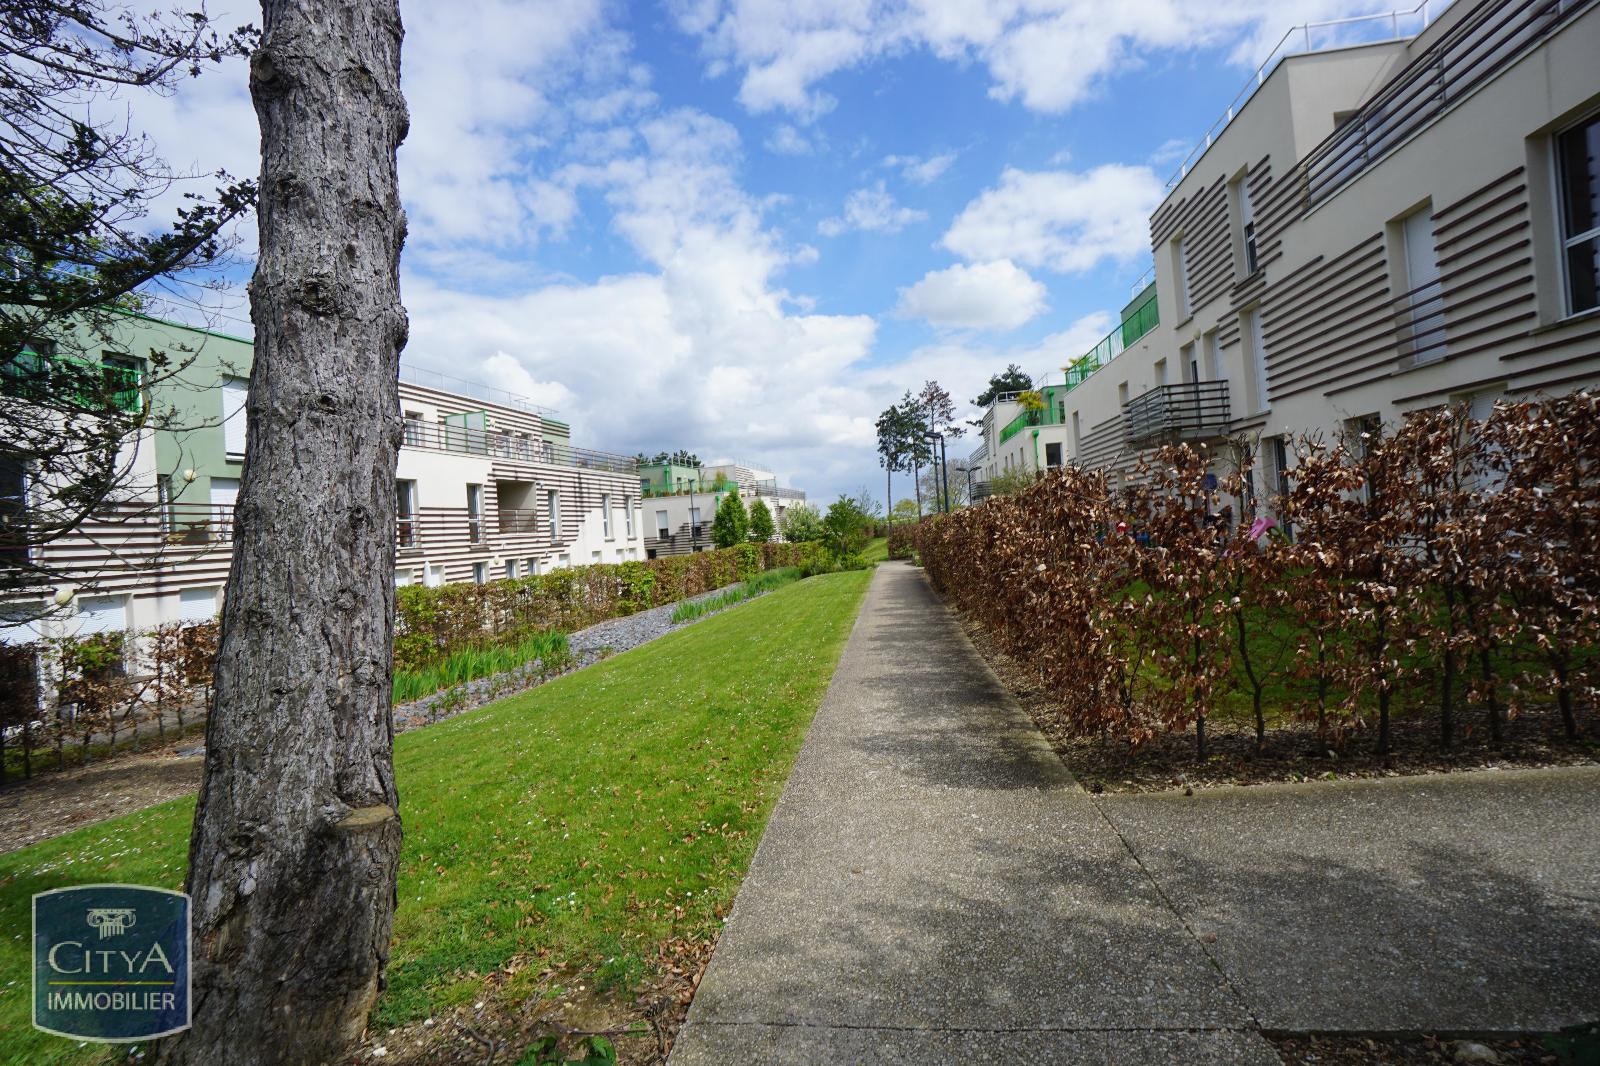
1311, 37
1194, 410
520, 520
1485, 42
1142, 321
497, 444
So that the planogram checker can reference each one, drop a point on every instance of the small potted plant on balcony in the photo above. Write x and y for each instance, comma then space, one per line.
1033, 404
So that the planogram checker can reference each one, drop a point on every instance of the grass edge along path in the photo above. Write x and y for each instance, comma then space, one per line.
581, 822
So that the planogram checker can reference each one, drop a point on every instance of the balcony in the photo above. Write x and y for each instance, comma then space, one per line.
519, 520
1112, 344
497, 444
1167, 414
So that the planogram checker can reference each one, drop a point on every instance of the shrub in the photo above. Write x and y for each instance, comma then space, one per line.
761, 527
1437, 562
731, 525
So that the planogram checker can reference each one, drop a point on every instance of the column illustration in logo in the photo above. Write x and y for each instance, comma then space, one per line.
111, 962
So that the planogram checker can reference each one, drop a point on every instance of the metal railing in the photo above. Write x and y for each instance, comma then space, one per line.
499, 444
1112, 344
1192, 410
1303, 39
1471, 52
432, 379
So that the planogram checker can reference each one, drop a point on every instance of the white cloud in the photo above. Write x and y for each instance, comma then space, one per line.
873, 210
786, 140
997, 295
918, 169
1049, 54
1063, 221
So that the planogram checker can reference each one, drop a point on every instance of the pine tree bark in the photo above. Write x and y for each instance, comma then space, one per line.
296, 839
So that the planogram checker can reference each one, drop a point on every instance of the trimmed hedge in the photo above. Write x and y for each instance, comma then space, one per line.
436, 622
1447, 566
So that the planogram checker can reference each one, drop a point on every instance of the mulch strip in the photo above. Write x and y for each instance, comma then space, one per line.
1292, 752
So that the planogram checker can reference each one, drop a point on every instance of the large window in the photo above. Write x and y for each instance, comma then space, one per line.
605, 515
1425, 333
1579, 167
475, 513
552, 502
234, 425
1248, 259
13, 509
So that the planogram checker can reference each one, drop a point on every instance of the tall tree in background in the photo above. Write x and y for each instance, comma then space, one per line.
908, 426
938, 411
78, 187
296, 838
898, 429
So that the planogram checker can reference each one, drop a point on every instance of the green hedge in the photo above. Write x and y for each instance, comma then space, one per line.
436, 622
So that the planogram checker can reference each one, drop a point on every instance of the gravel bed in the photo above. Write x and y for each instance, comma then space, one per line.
588, 646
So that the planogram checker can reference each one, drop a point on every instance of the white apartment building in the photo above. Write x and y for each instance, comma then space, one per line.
1373, 228
681, 502
488, 486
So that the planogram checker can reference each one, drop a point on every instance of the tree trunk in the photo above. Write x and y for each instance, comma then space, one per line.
1569, 718
296, 838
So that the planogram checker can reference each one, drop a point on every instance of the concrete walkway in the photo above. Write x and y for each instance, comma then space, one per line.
933, 887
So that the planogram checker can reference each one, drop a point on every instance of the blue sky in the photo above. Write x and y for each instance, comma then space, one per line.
746, 226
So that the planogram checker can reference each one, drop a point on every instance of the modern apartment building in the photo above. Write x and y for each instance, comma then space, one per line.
1371, 229
680, 502
488, 486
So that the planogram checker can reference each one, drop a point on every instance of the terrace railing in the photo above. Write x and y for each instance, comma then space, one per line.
468, 440
1193, 410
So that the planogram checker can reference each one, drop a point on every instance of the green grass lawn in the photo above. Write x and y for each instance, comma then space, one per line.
877, 550
590, 818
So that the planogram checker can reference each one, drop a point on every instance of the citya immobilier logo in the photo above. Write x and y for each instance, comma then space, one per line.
111, 962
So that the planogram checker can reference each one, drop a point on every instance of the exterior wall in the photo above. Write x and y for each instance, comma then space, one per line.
159, 561
680, 539
1335, 311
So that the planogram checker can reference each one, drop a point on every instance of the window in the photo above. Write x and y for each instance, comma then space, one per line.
102, 614
405, 513
433, 577
403, 578
416, 433
662, 529
124, 376
1180, 276
552, 504
13, 509
1210, 365
627, 510
1122, 394
530, 567
1578, 170
594, 557
1239, 188
164, 501
235, 421
1280, 467
511, 569
480, 573
475, 513
197, 605
1161, 373
1422, 334
1255, 357
1077, 436
605, 515
27, 373
224, 497
1052, 454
